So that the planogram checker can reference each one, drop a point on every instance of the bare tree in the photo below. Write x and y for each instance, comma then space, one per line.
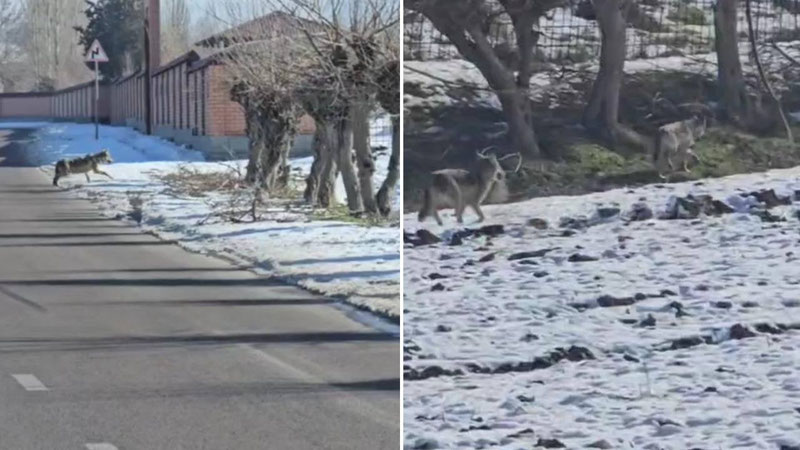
321, 56
762, 75
10, 51
205, 24
175, 29
350, 50
55, 56
467, 24
265, 75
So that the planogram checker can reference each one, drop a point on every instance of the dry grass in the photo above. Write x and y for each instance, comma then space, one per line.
190, 181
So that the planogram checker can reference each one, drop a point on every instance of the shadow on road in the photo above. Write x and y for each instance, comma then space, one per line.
144, 282
15, 148
266, 391
69, 219
65, 235
174, 303
23, 345
92, 244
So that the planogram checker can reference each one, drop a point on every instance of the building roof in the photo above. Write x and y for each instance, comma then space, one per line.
266, 27
187, 58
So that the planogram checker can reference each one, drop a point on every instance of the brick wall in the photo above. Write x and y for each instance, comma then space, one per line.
227, 116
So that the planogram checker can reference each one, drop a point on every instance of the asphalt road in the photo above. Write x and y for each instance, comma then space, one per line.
113, 339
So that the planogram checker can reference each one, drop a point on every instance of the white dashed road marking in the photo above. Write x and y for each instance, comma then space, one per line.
29, 382
101, 446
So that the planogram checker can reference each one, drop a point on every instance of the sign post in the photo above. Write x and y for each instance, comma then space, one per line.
96, 54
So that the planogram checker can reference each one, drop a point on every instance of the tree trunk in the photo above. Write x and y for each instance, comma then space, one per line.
313, 180
255, 143
273, 132
343, 144
284, 169
361, 144
326, 191
512, 91
602, 112
764, 80
519, 115
386, 192
735, 104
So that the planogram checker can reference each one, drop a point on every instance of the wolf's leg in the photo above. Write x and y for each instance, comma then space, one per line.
683, 160
427, 200
460, 212
436, 216
660, 166
691, 153
478, 211
103, 173
87, 177
458, 197
662, 160
55, 180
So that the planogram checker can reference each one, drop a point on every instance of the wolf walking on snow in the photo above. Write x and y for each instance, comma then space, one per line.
459, 188
84, 165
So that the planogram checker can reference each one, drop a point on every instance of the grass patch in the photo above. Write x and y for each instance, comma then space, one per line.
725, 151
591, 158
340, 213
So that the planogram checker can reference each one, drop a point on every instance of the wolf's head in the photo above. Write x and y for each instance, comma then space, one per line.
699, 125
103, 157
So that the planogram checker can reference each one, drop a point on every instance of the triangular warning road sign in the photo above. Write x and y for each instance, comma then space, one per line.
96, 53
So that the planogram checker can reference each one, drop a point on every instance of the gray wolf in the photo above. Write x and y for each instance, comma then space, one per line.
84, 165
676, 140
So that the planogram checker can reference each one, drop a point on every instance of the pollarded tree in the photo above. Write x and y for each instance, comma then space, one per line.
271, 124
466, 23
352, 49
266, 69
323, 96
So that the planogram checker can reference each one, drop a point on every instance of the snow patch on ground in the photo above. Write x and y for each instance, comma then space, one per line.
54, 141
442, 83
466, 315
360, 264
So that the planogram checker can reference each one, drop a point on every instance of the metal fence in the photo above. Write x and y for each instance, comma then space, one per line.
380, 130
657, 28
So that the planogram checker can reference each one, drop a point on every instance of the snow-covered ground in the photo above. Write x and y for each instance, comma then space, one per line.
648, 356
54, 141
358, 263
